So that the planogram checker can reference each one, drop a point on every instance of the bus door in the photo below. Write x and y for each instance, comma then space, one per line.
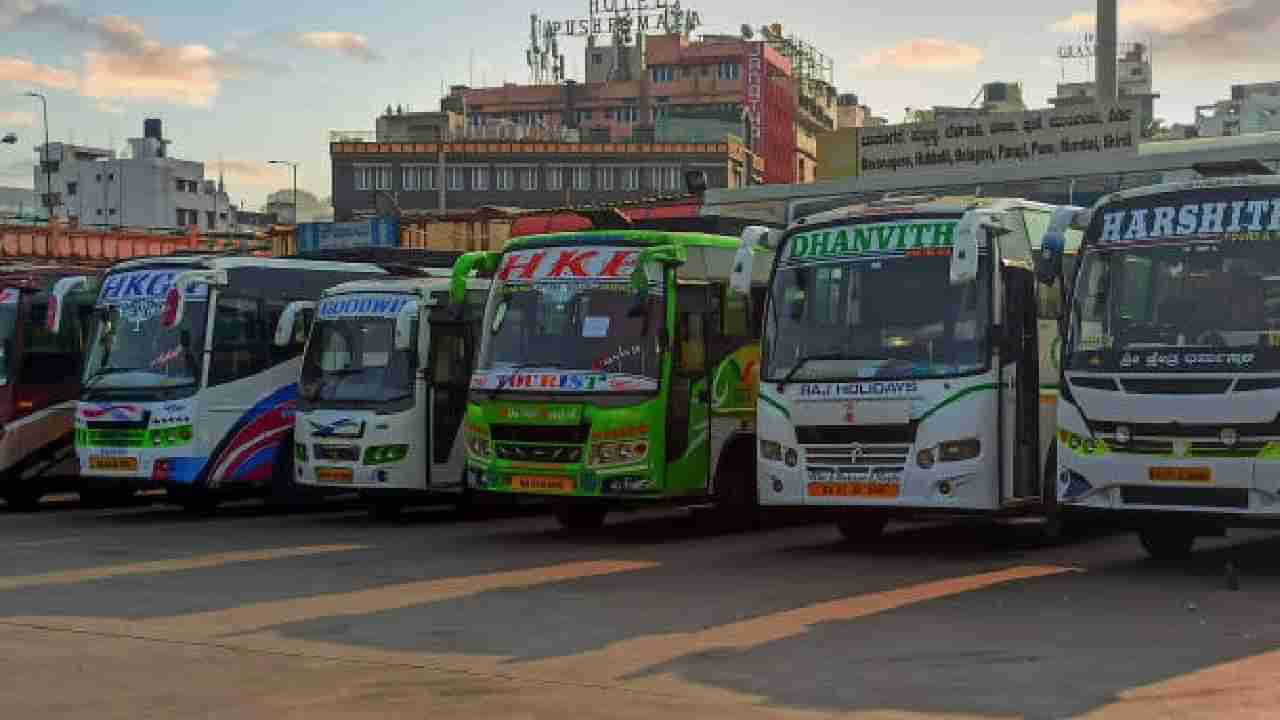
689, 398
448, 371
1019, 386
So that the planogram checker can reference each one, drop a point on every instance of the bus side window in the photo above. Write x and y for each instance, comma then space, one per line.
50, 359
737, 320
241, 343
692, 306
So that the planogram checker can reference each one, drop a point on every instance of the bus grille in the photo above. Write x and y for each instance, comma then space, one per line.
539, 453
862, 458
563, 434
332, 453
1245, 448
1235, 498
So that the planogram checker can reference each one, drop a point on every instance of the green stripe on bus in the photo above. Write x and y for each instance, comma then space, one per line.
777, 405
963, 393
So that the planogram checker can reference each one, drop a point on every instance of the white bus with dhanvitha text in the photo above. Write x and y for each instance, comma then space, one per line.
906, 362
384, 390
1170, 419
192, 374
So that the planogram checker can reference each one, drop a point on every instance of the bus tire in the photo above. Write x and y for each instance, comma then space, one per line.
1167, 544
285, 491
198, 503
580, 518
862, 527
107, 497
735, 493
385, 509
1054, 528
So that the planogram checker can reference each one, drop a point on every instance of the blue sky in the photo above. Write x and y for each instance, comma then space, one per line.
254, 81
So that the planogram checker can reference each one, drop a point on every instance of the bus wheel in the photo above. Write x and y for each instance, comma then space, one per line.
580, 518
194, 501
1167, 543
735, 493
1055, 522
23, 500
862, 527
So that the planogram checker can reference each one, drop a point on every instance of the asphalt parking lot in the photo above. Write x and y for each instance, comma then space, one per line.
146, 612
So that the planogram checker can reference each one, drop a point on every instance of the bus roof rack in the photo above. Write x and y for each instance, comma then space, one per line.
400, 260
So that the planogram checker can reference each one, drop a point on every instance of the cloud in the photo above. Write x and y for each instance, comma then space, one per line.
248, 172
353, 45
19, 119
1195, 30
127, 63
25, 72
926, 54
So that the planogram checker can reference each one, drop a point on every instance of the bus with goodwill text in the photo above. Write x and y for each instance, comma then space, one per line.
384, 388
907, 362
1170, 416
616, 369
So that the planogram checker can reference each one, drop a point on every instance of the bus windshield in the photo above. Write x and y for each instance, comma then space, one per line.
591, 333
131, 349
352, 361
8, 326
875, 317
1178, 307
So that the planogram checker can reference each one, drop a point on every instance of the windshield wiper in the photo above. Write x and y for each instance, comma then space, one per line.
823, 356
502, 384
104, 372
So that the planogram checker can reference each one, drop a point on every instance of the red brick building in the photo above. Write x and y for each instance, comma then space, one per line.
718, 77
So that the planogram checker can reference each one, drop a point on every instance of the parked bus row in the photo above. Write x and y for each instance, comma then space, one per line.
914, 355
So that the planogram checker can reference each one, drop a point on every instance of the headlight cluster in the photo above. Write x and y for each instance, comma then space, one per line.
771, 450
477, 442
382, 454
949, 451
300, 452
169, 437
1082, 445
617, 452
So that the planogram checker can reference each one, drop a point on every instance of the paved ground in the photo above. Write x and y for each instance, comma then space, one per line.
146, 613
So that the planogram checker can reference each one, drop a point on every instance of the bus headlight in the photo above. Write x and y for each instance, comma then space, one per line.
614, 453
924, 458
770, 450
477, 442
300, 452
1081, 445
381, 454
956, 450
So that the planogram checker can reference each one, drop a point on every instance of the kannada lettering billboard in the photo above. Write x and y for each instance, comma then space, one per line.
999, 139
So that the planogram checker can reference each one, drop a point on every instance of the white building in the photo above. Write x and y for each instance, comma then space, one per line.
1134, 81
147, 189
1252, 108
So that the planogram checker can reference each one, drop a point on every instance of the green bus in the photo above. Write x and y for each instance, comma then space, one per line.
616, 369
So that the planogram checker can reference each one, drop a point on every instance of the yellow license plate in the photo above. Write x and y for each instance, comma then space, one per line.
1180, 474
108, 462
868, 490
341, 476
542, 483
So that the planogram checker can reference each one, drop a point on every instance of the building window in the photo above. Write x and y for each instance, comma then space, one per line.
384, 178
631, 178
480, 178
71, 189
209, 217
529, 179
665, 178
729, 71
182, 185
555, 178
419, 177
583, 116
663, 73
454, 178
505, 178
625, 114
581, 178
367, 177
604, 178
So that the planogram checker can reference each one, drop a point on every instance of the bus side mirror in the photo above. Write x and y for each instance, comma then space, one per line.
753, 237
175, 302
61, 289
404, 326
289, 320
964, 252
1049, 264
478, 261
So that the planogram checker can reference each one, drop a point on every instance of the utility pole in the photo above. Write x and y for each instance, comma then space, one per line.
44, 159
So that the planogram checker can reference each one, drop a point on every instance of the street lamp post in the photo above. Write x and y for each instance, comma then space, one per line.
293, 166
44, 160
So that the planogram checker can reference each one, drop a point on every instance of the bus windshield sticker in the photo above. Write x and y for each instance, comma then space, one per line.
147, 286
9, 296
578, 263
905, 238
562, 381
1235, 215
365, 305
595, 326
